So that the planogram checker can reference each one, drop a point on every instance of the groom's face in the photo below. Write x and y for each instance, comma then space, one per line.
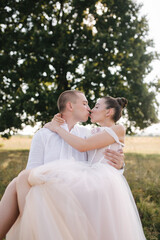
81, 110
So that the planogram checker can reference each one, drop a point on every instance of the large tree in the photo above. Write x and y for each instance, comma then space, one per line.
99, 47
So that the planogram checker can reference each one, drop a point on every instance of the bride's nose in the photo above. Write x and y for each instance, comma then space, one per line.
89, 109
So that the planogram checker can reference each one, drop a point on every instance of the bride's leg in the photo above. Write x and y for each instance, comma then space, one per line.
8, 209
22, 187
13, 201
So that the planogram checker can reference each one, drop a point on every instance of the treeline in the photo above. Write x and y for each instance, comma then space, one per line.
99, 47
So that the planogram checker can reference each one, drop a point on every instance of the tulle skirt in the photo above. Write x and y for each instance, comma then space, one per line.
71, 200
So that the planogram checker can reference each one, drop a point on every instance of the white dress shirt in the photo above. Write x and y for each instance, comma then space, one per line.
48, 146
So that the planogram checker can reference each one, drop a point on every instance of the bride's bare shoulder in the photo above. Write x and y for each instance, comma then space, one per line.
119, 129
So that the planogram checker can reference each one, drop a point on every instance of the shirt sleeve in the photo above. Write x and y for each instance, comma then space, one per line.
36, 154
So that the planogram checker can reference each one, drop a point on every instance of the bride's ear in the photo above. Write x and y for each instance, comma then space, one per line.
109, 112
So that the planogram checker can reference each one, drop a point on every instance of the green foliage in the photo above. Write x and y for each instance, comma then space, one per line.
99, 47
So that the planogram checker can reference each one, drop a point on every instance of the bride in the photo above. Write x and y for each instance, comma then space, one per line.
68, 199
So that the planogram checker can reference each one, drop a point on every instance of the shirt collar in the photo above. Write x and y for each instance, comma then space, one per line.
65, 126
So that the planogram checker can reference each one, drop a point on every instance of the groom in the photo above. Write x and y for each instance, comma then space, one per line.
48, 146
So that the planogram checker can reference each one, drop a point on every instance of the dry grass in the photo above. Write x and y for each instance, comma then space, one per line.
16, 143
145, 145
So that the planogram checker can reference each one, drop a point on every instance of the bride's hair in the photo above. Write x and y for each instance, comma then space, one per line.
118, 104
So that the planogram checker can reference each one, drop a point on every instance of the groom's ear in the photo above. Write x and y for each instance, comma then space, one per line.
69, 106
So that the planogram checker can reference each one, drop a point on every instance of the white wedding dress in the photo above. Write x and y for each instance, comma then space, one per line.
73, 200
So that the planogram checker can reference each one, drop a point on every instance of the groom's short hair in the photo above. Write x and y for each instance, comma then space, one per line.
66, 96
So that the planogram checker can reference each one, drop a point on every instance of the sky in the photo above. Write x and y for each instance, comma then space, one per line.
151, 8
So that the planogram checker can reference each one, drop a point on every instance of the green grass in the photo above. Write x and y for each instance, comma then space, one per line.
11, 163
142, 174
141, 171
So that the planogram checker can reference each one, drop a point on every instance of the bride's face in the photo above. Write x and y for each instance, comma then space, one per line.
98, 113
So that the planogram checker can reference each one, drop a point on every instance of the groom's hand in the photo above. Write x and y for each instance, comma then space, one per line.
116, 159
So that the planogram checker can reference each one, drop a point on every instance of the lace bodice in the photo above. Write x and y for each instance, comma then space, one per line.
98, 154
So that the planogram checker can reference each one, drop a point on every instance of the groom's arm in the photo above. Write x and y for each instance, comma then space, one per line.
116, 159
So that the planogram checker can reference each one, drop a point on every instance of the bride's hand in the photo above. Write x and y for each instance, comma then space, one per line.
55, 123
58, 118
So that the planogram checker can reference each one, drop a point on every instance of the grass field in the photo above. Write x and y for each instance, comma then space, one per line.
145, 145
142, 159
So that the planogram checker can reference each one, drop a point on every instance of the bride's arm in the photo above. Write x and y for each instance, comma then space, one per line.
96, 141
